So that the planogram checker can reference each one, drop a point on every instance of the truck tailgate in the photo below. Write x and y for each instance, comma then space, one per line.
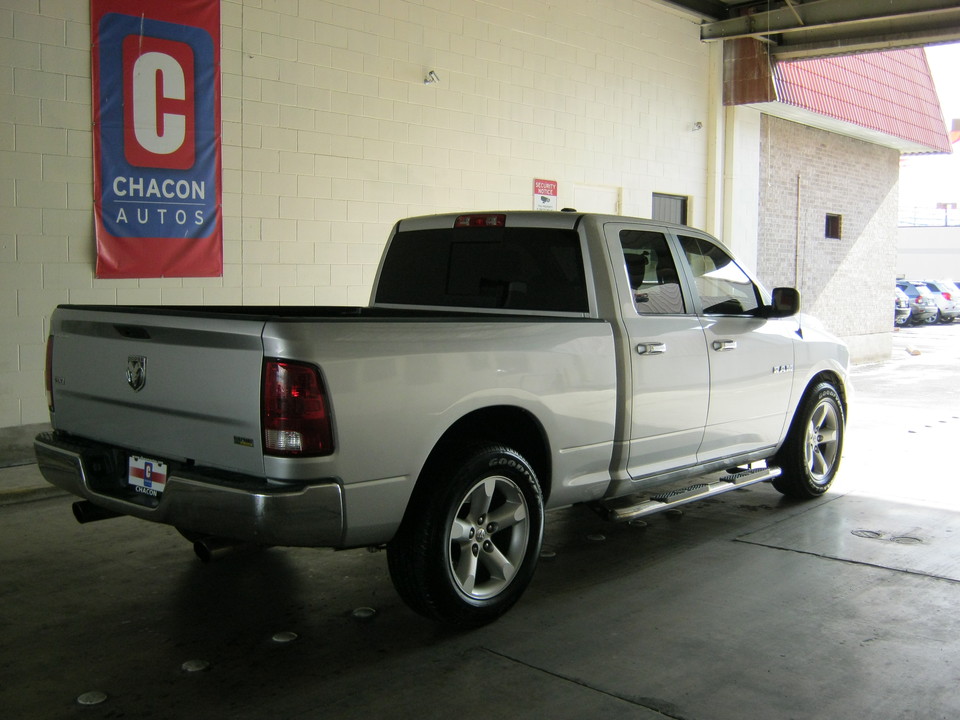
200, 394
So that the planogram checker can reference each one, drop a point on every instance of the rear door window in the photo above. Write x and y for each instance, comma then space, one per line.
654, 281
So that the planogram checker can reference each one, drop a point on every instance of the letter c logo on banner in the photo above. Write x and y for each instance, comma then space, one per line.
159, 108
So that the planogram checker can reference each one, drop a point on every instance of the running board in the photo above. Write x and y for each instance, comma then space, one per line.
658, 502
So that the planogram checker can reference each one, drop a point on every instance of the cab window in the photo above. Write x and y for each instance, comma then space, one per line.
724, 288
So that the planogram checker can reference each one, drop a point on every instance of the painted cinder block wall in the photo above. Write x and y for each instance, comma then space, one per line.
330, 135
806, 173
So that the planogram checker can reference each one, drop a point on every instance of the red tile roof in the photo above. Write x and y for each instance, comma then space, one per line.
891, 92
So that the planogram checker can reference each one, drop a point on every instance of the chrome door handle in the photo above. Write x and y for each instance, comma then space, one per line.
724, 345
653, 348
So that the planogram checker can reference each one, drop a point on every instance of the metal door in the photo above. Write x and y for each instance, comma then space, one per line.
666, 376
751, 357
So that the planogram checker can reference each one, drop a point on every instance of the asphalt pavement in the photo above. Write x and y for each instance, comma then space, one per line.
747, 605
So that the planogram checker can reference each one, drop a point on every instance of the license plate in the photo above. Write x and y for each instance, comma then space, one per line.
146, 476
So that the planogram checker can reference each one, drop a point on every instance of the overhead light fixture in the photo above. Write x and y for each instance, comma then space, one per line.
431, 78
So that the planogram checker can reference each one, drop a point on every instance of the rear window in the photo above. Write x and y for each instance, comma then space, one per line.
537, 269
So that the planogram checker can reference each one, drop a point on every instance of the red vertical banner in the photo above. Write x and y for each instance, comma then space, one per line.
156, 139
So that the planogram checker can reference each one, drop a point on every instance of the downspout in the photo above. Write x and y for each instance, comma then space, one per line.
798, 269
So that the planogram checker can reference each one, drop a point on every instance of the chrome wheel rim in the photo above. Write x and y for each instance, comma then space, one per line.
488, 537
823, 442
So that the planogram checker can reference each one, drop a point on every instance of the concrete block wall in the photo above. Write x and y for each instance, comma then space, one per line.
846, 282
330, 135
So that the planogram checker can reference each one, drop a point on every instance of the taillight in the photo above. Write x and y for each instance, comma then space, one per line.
481, 220
48, 373
946, 296
296, 413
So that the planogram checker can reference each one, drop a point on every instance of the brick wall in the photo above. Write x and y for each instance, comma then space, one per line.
806, 173
330, 135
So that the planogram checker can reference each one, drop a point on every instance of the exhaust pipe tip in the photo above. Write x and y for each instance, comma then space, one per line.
86, 512
208, 548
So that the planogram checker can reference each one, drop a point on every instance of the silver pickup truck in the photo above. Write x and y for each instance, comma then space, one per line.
508, 363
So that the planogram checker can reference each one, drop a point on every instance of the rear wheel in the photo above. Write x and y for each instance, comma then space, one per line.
810, 456
469, 543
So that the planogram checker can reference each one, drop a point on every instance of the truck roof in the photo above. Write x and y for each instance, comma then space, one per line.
568, 218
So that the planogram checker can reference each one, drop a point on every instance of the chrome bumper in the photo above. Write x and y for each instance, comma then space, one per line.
301, 515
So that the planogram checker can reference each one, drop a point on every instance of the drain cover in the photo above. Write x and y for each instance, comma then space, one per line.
193, 666
94, 697
364, 613
868, 534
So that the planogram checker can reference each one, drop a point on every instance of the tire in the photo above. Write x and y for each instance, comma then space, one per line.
810, 456
469, 543
932, 320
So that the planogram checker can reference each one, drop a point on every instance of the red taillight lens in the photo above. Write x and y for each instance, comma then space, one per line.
296, 413
946, 296
48, 373
481, 220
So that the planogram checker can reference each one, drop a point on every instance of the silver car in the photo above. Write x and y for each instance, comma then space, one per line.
923, 307
947, 298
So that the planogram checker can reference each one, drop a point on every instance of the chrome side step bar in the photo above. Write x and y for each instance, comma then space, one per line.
658, 502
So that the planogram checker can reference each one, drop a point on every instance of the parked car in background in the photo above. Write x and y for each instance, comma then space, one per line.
901, 307
947, 298
923, 308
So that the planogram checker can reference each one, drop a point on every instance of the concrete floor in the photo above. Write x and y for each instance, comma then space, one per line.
749, 606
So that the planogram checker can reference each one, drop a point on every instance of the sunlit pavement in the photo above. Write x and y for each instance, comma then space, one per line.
747, 606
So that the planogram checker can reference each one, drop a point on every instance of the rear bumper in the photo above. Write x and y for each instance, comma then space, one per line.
308, 515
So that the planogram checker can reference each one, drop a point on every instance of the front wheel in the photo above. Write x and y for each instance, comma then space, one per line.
810, 456
469, 542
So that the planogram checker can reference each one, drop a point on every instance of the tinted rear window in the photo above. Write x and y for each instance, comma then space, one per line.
508, 268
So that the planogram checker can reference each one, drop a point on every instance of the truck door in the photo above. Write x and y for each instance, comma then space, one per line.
751, 357
665, 375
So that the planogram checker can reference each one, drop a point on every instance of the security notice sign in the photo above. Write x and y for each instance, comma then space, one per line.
544, 194
157, 162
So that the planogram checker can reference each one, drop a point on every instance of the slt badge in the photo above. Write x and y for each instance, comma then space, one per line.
137, 372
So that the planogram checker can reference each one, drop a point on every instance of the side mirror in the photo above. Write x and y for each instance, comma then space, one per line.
786, 302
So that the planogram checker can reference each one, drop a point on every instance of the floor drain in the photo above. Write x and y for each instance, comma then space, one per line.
907, 540
195, 666
868, 534
364, 613
94, 697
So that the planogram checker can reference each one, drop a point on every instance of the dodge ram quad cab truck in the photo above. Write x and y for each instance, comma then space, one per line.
508, 363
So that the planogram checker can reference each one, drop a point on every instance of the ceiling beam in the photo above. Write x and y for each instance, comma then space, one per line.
833, 26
